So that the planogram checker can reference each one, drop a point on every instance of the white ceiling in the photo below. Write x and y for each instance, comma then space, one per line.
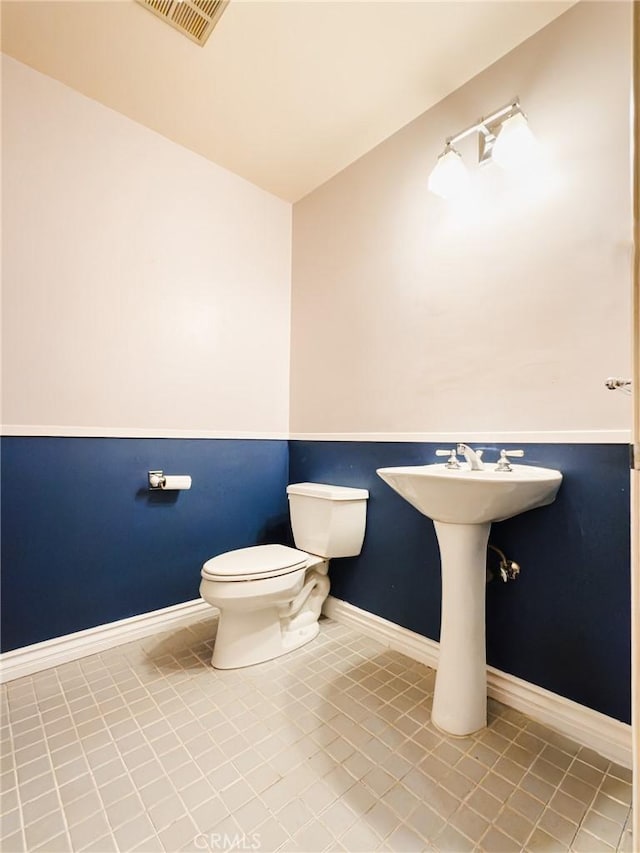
285, 94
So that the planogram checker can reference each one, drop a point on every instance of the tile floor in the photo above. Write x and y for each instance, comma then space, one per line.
146, 748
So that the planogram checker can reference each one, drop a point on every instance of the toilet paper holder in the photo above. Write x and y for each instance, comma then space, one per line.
159, 481
156, 479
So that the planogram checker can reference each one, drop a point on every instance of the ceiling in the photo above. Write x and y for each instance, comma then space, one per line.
285, 94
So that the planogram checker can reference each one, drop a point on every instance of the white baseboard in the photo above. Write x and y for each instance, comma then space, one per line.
39, 656
607, 736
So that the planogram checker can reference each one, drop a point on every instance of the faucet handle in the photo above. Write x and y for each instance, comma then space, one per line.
452, 461
503, 462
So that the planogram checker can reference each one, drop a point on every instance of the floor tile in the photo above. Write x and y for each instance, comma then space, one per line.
146, 748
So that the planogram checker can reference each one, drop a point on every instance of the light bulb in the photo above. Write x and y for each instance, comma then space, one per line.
449, 177
515, 145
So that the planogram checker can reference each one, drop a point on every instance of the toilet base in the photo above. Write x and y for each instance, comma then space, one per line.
245, 639
294, 639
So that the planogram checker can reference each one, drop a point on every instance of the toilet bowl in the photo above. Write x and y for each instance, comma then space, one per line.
270, 596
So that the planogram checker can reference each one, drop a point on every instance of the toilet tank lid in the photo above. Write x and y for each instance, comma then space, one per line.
330, 493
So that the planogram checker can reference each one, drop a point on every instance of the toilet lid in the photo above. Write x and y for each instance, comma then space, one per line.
255, 563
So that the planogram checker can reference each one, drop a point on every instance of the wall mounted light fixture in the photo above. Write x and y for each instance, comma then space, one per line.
504, 137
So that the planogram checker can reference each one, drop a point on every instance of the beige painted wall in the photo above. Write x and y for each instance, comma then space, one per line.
505, 312
144, 288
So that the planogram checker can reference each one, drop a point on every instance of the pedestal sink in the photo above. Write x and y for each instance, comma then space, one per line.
462, 504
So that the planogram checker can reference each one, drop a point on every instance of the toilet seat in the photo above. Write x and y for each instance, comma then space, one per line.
255, 563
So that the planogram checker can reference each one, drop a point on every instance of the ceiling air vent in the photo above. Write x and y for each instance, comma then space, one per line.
195, 18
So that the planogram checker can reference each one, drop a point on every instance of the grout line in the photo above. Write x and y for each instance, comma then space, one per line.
329, 681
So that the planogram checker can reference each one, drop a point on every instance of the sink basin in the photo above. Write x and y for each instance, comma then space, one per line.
463, 496
463, 504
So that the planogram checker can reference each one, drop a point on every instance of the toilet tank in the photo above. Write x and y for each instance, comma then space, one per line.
328, 521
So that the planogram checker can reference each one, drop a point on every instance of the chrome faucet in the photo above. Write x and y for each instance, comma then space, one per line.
473, 457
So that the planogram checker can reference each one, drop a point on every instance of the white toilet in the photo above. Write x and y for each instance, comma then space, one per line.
270, 596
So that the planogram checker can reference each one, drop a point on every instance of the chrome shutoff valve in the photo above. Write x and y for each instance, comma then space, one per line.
503, 462
452, 461
509, 570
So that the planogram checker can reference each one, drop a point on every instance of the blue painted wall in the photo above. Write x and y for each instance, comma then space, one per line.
85, 543
564, 624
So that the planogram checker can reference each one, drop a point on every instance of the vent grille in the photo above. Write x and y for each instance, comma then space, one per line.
195, 18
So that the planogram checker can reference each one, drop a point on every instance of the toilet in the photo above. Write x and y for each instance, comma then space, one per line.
270, 596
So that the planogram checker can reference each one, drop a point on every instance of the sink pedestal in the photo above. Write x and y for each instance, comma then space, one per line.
460, 698
463, 502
